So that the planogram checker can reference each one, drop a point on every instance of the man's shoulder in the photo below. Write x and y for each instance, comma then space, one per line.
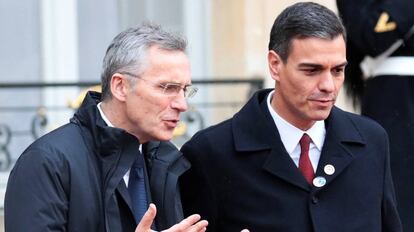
211, 137
217, 131
362, 123
67, 133
61, 143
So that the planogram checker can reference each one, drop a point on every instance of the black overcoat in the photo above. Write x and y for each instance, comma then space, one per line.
242, 177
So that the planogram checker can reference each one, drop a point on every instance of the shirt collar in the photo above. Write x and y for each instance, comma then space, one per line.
291, 134
108, 123
106, 120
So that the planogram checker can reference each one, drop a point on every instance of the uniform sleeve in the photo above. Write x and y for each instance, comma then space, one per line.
374, 25
36, 199
196, 191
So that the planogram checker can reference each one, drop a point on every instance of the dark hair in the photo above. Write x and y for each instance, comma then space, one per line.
303, 20
127, 51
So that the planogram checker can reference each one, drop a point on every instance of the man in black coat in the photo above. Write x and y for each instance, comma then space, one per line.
382, 31
90, 174
290, 160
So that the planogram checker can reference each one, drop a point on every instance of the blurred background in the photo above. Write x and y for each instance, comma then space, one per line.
51, 52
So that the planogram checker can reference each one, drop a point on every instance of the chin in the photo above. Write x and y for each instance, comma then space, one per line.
321, 115
164, 137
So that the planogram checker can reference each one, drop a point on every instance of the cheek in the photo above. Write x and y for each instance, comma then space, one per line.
339, 83
156, 107
300, 89
296, 84
141, 108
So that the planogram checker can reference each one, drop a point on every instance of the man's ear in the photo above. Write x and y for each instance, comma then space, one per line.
275, 63
119, 86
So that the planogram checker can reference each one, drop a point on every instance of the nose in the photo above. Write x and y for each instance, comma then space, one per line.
179, 103
327, 83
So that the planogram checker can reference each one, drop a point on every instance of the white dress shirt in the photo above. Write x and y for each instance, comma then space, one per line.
106, 120
290, 136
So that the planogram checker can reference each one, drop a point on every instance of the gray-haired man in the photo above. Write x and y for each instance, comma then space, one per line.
90, 174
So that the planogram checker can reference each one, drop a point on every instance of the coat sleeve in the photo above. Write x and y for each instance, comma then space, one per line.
36, 199
390, 218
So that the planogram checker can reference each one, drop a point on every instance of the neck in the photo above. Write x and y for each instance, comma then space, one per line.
114, 112
278, 108
111, 112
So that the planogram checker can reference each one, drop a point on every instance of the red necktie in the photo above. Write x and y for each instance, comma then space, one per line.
305, 165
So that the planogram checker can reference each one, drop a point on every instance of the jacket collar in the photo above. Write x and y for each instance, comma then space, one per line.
342, 137
113, 147
252, 125
116, 149
106, 139
254, 130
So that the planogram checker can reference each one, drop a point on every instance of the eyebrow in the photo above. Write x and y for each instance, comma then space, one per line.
342, 65
176, 83
318, 66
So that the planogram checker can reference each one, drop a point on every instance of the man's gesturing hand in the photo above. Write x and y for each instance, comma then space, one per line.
190, 224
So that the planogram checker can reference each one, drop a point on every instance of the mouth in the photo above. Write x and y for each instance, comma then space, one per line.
323, 102
171, 123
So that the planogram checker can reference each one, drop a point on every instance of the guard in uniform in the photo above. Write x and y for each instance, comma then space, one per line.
380, 78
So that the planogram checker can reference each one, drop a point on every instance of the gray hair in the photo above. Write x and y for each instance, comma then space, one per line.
127, 51
303, 20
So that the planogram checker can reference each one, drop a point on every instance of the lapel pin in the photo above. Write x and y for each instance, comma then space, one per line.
319, 181
329, 169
